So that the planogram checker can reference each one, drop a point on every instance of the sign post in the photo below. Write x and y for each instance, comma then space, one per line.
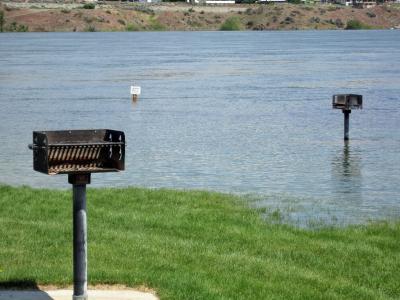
135, 92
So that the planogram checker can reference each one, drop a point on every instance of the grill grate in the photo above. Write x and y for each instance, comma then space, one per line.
73, 153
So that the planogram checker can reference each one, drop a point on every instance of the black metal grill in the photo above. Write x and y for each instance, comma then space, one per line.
78, 151
347, 101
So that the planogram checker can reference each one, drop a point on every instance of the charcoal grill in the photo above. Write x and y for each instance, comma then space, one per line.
78, 153
347, 102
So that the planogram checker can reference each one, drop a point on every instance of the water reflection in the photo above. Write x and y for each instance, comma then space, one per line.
134, 102
346, 171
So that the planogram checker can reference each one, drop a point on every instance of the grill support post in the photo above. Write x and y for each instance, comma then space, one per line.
346, 113
79, 182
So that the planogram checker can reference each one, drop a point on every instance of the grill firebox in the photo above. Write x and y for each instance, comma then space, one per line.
78, 151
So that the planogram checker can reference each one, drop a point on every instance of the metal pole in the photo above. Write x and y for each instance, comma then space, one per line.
80, 242
346, 124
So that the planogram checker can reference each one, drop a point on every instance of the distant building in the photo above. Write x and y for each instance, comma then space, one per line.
364, 3
211, 1
311, 1
220, 1
359, 3
345, 2
272, 1
145, 1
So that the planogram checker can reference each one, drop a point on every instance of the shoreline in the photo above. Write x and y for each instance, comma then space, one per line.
253, 202
110, 17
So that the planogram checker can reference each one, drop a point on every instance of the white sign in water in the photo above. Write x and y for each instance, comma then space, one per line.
135, 90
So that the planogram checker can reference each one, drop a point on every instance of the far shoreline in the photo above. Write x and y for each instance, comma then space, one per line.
115, 17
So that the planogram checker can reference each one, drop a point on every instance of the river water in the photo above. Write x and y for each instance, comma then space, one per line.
240, 112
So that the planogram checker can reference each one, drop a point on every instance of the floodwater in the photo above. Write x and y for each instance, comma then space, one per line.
240, 112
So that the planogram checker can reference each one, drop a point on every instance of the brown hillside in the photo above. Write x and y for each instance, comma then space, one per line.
147, 17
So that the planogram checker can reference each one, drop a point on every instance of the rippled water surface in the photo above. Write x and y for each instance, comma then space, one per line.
241, 112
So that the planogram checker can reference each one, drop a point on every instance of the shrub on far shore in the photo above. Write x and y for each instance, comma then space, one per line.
90, 28
1, 20
131, 27
155, 25
15, 27
356, 25
89, 6
144, 9
232, 23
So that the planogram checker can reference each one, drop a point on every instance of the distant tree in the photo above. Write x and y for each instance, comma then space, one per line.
1, 20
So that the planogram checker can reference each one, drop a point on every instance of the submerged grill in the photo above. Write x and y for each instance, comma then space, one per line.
78, 151
347, 101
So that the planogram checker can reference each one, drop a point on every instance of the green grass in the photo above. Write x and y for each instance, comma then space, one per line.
193, 245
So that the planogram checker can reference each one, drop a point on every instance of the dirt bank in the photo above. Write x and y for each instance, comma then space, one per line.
111, 16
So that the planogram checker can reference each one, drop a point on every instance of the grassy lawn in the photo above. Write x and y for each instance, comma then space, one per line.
193, 245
